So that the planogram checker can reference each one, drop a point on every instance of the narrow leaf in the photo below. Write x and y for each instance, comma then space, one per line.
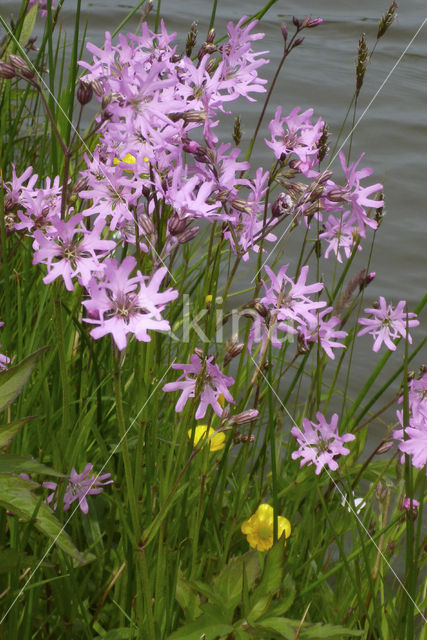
7, 431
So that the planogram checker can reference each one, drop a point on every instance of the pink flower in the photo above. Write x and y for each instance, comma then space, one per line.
120, 305
70, 250
204, 374
320, 443
79, 486
387, 324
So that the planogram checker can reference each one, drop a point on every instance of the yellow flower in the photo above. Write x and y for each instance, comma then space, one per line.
259, 528
208, 299
216, 440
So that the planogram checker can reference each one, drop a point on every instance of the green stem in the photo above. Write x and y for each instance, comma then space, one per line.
59, 329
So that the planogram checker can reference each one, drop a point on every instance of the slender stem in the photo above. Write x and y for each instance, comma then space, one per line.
59, 329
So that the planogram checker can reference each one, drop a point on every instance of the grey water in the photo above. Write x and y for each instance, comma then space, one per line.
391, 122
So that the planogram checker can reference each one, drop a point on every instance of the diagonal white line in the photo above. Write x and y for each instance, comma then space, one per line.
380, 88
345, 501
84, 496
33, 68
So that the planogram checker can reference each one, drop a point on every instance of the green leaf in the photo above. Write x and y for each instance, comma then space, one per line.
7, 431
228, 585
285, 598
209, 626
274, 567
284, 627
28, 25
16, 495
259, 609
320, 631
13, 380
10, 463
187, 599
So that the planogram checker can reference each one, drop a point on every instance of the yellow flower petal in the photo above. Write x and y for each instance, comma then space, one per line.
259, 528
216, 440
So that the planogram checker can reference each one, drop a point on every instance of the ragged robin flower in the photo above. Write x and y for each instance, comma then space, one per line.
259, 528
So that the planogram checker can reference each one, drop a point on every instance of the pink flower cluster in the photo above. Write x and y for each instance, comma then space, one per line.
412, 438
288, 308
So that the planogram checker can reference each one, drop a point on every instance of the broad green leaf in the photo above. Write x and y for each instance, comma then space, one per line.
286, 628
209, 626
228, 585
16, 495
28, 25
10, 463
285, 598
187, 599
13, 380
259, 609
273, 571
7, 431
320, 631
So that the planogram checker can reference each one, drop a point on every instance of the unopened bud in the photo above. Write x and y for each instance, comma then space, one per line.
81, 184
188, 235
98, 88
6, 70
106, 100
242, 205
298, 41
310, 23
146, 224
386, 446
367, 280
8, 203
20, 66
176, 224
336, 195
284, 31
296, 22
211, 36
245, 417
84, 92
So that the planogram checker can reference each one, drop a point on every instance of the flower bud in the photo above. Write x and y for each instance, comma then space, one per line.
146, 224
245, 417
298, 41
296, 22
6, 70
98, 88
310, 23
20, 66
284, 31
81, 184
84, 92
177, 225
188, 235
242, 205
386, 446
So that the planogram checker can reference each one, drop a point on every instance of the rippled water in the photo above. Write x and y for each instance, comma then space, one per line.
320, 74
